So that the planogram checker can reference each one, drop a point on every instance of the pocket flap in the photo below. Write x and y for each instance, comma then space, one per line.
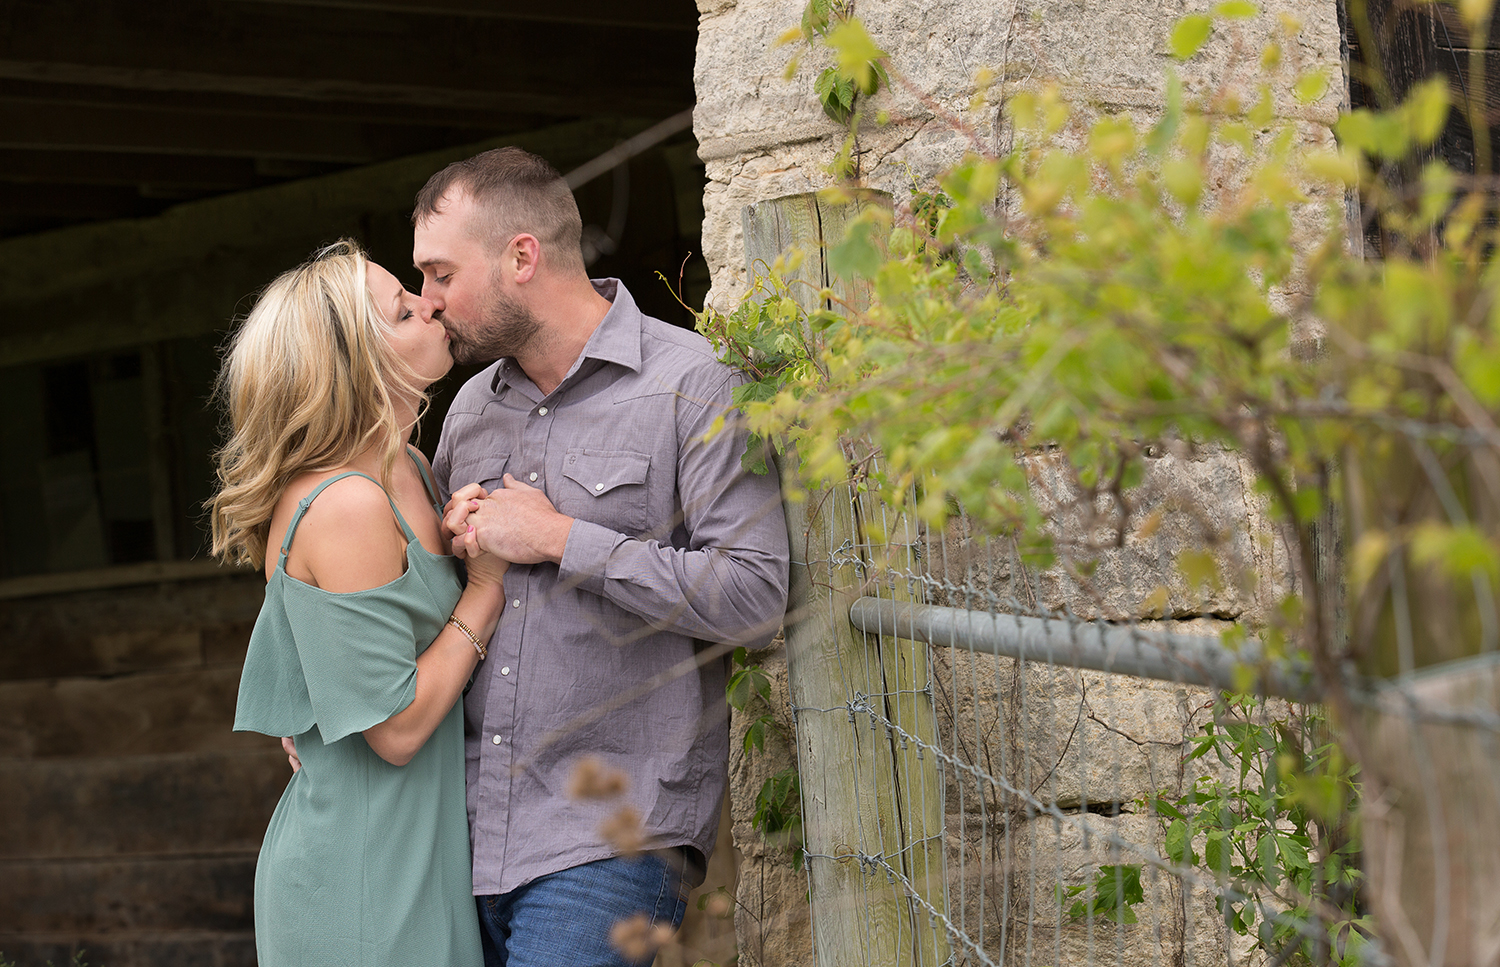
600, 471
486, 471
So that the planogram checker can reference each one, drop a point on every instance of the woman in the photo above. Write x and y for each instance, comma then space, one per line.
367, 637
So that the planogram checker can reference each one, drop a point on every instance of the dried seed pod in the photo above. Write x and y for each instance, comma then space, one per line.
592, 778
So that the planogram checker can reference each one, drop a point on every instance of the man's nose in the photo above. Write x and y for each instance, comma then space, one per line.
429, 292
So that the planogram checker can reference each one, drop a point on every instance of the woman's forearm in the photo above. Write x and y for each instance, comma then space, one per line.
442, 672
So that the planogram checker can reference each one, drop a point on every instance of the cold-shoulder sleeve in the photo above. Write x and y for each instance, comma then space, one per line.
342, 662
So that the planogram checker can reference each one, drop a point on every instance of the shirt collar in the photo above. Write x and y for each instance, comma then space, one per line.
617, 339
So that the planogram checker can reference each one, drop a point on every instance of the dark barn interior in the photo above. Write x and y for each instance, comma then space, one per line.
159, 162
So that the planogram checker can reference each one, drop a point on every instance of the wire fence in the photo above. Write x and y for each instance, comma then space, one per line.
987, 779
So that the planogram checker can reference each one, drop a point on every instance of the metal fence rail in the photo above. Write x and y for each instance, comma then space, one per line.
1121, 649
978, 759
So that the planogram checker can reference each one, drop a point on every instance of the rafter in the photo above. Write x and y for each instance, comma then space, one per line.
317, 52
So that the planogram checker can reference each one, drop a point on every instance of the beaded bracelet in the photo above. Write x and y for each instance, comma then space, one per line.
469, 634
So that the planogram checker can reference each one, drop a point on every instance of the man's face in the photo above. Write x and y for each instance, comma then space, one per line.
468, 287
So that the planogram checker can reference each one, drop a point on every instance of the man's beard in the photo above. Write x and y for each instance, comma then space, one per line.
505, 328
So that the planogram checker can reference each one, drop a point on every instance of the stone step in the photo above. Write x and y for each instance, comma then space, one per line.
96, 897
118, 630
149, 713
189, 803
145, 949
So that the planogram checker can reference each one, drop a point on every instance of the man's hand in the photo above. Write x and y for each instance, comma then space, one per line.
290, 748
517, 524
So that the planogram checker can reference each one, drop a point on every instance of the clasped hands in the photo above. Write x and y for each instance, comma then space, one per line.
515, 523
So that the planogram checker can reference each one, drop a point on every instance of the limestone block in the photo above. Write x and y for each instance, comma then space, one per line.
1204, 501
1128, 62
1058, 736
1175, 921
744, 101
1205, 504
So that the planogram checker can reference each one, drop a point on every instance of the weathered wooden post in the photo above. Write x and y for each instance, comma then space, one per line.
907, 673
858, 793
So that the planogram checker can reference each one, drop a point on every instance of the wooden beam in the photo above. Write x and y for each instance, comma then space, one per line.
582, 94
505, 112
1449, 32
184, 272
321, 52
677, 16
197, 174
55, 127
77, 202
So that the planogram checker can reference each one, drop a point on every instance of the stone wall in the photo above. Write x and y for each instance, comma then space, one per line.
763, 135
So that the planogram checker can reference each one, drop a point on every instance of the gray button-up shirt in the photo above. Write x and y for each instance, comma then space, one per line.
674, 546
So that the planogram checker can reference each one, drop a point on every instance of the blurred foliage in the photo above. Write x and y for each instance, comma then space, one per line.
1110, 289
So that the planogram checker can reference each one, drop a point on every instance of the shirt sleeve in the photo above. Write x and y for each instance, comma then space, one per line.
729, 584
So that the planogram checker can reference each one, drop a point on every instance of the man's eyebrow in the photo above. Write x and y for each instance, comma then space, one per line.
426, 262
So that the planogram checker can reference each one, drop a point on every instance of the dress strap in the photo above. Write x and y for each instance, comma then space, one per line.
431, 484
306, 502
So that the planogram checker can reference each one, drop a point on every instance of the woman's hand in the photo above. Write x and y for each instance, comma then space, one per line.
456, 512
485, 569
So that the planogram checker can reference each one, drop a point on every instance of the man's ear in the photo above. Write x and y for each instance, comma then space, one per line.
525, 254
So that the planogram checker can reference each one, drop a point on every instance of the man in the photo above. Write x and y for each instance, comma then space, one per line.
640, 552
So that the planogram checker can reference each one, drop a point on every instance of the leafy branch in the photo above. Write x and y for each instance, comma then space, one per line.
778, 805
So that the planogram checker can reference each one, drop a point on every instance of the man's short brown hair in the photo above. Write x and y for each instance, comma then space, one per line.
515, 192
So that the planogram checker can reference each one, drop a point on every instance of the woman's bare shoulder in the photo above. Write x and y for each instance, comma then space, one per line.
348, 538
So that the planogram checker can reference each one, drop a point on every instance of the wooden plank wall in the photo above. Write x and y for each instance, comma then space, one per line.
130, 814
1471, 65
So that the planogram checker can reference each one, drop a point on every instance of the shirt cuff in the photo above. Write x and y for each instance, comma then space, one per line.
586, 554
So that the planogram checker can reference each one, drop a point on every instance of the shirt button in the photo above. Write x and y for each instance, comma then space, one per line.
505, 670
533, 476
516, 603
541, 411
495, 739
598, 486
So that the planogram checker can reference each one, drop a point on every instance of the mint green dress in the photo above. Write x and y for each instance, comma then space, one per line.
364, 864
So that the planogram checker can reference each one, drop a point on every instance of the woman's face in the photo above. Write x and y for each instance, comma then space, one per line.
417, 339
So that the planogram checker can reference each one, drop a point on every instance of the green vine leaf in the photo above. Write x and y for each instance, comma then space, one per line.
836, 93
1189, 35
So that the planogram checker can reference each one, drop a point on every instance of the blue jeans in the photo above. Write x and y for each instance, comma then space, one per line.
564, 919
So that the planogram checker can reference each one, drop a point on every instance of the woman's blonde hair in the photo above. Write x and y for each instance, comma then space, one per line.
307, 382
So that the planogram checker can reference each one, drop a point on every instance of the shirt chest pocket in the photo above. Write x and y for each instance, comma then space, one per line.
606, 487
